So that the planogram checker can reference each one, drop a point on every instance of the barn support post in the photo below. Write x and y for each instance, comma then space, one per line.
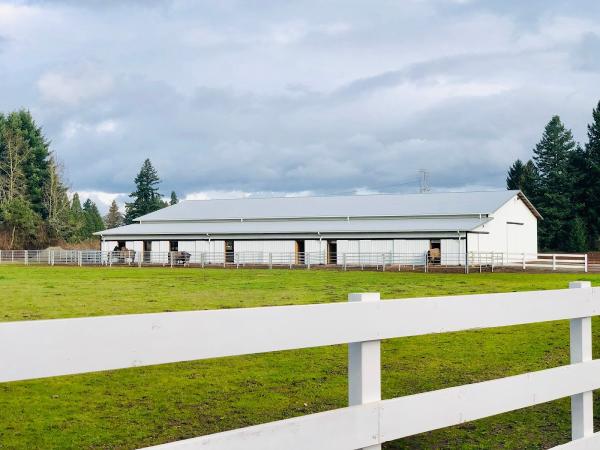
466, 253
344, 261
364, 366
307, 260
582, 405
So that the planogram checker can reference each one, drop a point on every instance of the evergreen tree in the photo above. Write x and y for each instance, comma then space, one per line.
114, 218
36, 167
146, 198
590, 185
522, 177
92, 219
76, 220
174, 200
56, 203
20, 220
577, 236
553, 191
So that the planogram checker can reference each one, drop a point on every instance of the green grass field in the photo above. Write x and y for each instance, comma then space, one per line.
152, 405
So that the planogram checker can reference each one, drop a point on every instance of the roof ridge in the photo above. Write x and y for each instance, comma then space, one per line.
378, 194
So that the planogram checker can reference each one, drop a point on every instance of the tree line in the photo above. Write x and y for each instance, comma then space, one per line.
35, 207
562, 180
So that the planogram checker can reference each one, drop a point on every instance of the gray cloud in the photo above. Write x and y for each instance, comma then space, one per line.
300, 96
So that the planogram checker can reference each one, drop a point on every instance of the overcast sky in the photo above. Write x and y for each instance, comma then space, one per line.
231, 98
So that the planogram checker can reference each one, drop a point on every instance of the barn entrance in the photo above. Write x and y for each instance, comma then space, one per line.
147, 250
434, 255
331, 252
229, 249
300, 252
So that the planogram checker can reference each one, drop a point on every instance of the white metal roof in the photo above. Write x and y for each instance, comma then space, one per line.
362, 214
381, 205
298, 227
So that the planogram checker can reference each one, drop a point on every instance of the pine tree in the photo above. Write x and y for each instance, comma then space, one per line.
522, 177
76, 220
591, 182
553, 190
146, 198
515, 175
174, 200
56, 203
114, 218
36, 167
577, 236
92, 219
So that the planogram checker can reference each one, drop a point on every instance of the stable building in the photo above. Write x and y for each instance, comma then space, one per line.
331, 228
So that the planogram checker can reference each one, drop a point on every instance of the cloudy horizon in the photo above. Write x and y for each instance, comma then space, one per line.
262, 98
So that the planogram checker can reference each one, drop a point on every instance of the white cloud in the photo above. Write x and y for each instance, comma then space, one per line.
74, 128
103, 199
298, 97
72, 88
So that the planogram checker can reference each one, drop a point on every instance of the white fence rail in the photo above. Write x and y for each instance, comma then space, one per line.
47, 348
380, 261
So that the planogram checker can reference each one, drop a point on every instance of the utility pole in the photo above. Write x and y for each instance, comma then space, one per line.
424, 181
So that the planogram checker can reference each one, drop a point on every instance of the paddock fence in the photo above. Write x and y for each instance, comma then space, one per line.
386, 261
47, 348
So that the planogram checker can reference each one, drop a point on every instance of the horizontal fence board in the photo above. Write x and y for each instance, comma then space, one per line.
356, 426
339, 429
406, 416
44, 348
588, 443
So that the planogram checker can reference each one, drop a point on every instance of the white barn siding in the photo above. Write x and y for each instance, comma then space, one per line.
316, 250
258, 251
160, 250
410, 251
350, 250
215, 251
453, 251
505, 237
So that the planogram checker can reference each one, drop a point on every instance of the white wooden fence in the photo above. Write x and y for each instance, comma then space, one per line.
45, 348
380, 260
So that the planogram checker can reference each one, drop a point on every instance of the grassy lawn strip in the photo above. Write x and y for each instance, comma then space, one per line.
151, 405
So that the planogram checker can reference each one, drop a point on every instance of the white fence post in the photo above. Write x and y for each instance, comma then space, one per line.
523, 261
26, 257
270, 260
553, 262
585, 263
364, 366
582, 405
